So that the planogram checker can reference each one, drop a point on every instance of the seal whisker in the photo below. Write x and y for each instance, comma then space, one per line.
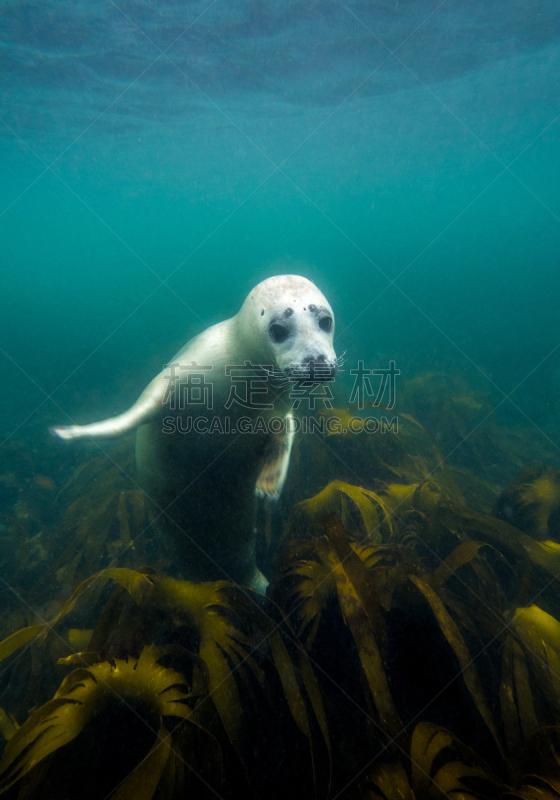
272, 373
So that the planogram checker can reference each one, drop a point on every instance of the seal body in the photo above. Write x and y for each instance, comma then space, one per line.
215, 427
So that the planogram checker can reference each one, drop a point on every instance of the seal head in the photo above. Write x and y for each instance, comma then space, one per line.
294, 323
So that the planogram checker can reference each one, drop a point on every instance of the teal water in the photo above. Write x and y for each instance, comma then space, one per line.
158, 160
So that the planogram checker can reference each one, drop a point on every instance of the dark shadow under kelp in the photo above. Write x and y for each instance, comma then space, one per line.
409, 644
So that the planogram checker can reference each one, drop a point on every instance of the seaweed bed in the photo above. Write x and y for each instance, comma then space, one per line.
408, 646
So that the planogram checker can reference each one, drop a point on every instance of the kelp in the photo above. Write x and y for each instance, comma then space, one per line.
530, 686
341, 452
537, 767
369, 584
115, 528
437, 765
435, 528
239, 641
408, 645
459, 418
155, 697
18, 639
363, 513
248, 655
8, 725
100, 517
251, 667
361, 609
370, 566
532, 502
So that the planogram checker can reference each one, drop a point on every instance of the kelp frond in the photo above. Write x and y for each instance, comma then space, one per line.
247, 649
363, 513
152, 692
438, 765
8, 725
532, 502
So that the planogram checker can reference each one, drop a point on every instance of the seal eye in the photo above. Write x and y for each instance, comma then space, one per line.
325, 323
279, 332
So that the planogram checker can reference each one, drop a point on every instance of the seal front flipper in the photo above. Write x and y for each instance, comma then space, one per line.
143, 410
279, 448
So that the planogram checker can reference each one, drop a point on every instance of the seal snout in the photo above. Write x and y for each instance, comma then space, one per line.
317, 369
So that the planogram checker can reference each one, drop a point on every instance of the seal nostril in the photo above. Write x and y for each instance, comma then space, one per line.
315, 360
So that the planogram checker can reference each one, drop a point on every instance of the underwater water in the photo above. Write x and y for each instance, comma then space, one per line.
158, 160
